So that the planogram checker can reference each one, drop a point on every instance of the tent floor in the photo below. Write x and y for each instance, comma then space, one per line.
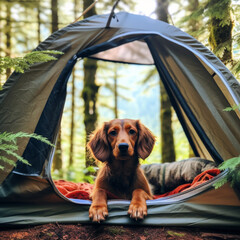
99, 231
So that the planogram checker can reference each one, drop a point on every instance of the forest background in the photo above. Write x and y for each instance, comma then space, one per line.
100, 91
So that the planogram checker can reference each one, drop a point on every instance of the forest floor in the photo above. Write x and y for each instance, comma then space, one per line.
107, 232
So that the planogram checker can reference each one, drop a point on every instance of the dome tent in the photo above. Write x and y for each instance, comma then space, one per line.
199, 87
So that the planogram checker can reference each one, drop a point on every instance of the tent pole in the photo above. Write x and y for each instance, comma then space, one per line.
86, 10
112, 14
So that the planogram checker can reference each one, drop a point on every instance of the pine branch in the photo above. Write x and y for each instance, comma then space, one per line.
21, 64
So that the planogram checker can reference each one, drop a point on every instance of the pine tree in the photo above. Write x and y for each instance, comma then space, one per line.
221, 26
72, 124
90, 90
57, 160
8, 33
167, 139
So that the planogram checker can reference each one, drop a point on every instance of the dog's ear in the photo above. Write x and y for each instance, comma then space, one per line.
146, 141
98, 144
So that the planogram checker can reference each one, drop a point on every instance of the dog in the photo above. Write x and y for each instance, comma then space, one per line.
119, 144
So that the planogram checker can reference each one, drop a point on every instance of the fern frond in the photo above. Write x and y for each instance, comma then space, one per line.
6, 147
233, 174
12, 137
37, 137
233, 108
7, 137
230, 164
21, 64
6, 160
221, 182
21, 159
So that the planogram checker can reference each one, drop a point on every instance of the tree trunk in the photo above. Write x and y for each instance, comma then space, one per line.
72, 128
90, 90
221, 31
39, 22
57, 161
54, 9
115, 93
193, 5
71, 150
167, 139
8, 33
89, 94
1, 34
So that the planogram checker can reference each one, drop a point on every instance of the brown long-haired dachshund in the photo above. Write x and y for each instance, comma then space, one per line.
119, 144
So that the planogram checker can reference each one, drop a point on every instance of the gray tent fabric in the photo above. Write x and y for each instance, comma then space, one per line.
199, 87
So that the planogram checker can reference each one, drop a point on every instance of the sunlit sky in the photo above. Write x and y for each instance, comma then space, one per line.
146, 7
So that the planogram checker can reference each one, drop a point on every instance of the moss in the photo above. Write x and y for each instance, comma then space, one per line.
175, 234
221, 26
115, 230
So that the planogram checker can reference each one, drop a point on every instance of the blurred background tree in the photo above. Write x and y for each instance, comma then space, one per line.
99, 91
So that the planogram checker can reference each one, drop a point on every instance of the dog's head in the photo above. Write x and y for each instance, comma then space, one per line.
122, 139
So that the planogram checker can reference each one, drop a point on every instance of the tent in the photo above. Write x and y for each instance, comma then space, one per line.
199, 87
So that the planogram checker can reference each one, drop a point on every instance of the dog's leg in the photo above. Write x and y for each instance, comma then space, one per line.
98, 210
138, 206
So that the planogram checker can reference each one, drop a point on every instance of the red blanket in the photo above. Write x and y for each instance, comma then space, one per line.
83, 190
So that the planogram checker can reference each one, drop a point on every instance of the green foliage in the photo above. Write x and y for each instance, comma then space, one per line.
232, 165
175, 234
219, 10
233, 108
90, 174
21, 64
9, 147
233, 174
8, 141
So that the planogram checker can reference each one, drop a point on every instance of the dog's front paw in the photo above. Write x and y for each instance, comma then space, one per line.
137, 210
98, 213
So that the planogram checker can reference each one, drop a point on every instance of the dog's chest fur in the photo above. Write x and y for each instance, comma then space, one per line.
121, 176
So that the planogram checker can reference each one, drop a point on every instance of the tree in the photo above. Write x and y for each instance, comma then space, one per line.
57, 160
39, 22
167, 139
90, 90
115, 79
221, 26
109, 75
193, 6
8, 33
54, 10
72, 124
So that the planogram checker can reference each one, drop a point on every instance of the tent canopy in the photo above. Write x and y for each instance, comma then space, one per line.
198, 84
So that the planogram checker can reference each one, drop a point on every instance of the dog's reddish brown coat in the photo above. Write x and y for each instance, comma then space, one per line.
121, 174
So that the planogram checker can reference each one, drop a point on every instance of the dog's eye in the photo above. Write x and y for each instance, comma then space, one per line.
113, 133
131, 132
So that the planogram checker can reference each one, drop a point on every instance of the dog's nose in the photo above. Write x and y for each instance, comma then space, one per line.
123, 147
